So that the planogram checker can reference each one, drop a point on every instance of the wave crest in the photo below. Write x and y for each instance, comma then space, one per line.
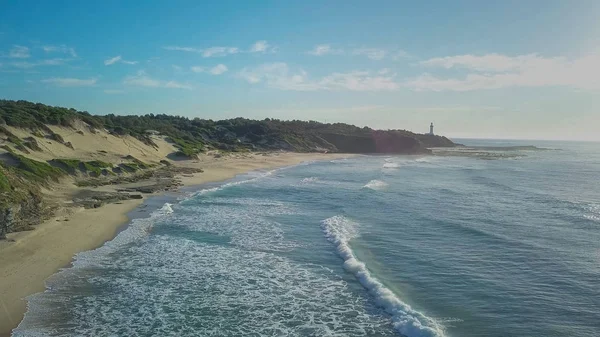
376, 185
339, 231
389, 165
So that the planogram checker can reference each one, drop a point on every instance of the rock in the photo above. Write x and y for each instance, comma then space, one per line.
21, 216
95, 199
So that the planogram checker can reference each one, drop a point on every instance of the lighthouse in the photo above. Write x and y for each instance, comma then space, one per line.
431, 129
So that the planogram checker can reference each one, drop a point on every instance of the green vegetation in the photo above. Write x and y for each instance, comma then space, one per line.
32, 144
130, 167
4, 184
72, 166
36, 170
193, 136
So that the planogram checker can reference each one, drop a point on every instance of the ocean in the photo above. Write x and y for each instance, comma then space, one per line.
502, 239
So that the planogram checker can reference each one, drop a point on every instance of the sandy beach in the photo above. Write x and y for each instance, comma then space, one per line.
27, 259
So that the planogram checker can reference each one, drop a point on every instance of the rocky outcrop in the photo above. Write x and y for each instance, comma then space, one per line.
95, 199
21, 215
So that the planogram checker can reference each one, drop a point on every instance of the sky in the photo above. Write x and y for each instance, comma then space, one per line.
481, 69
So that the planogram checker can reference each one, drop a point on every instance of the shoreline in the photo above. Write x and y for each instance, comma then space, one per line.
33, 256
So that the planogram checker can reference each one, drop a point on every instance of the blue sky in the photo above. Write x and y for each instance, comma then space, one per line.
495, 69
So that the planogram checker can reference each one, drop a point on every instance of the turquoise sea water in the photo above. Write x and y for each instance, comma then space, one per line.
484, 243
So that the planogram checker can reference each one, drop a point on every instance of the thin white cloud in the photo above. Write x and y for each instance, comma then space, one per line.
208, 52
359, 81
118, 59
259, 47
216, 70
112, 60
198, 69
187, 49
70, 82
324, 49
48, 62
60, 49
491, 62
279, 76
141, 79
219, 51
494, 71
19, 52
177, 85
372, 53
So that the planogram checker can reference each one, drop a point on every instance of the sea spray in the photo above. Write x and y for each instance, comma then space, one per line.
389, 165
40, 306
376, 185
339, 231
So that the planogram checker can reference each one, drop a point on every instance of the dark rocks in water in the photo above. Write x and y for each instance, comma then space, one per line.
96, 199
158, 186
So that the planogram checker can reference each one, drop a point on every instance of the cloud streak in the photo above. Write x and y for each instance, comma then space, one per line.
48, 62
118, 59
324, 49
216, 70
259, 47
141, 79
495, 71
280, 76
208, 52
376, 54
60, 49
70, 82
19, 52
372, 53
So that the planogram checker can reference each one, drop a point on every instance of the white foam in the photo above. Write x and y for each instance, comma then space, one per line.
171, 285
390, 165
593, 212
138, 229
376, 185
309, 180
340, 231
259, 175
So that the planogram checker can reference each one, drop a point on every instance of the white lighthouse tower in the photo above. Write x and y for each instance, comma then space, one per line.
431, 129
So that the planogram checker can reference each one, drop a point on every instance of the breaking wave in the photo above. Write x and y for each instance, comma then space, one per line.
376, 185
340, 231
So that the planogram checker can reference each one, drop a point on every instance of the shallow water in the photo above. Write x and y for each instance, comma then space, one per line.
369, 246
